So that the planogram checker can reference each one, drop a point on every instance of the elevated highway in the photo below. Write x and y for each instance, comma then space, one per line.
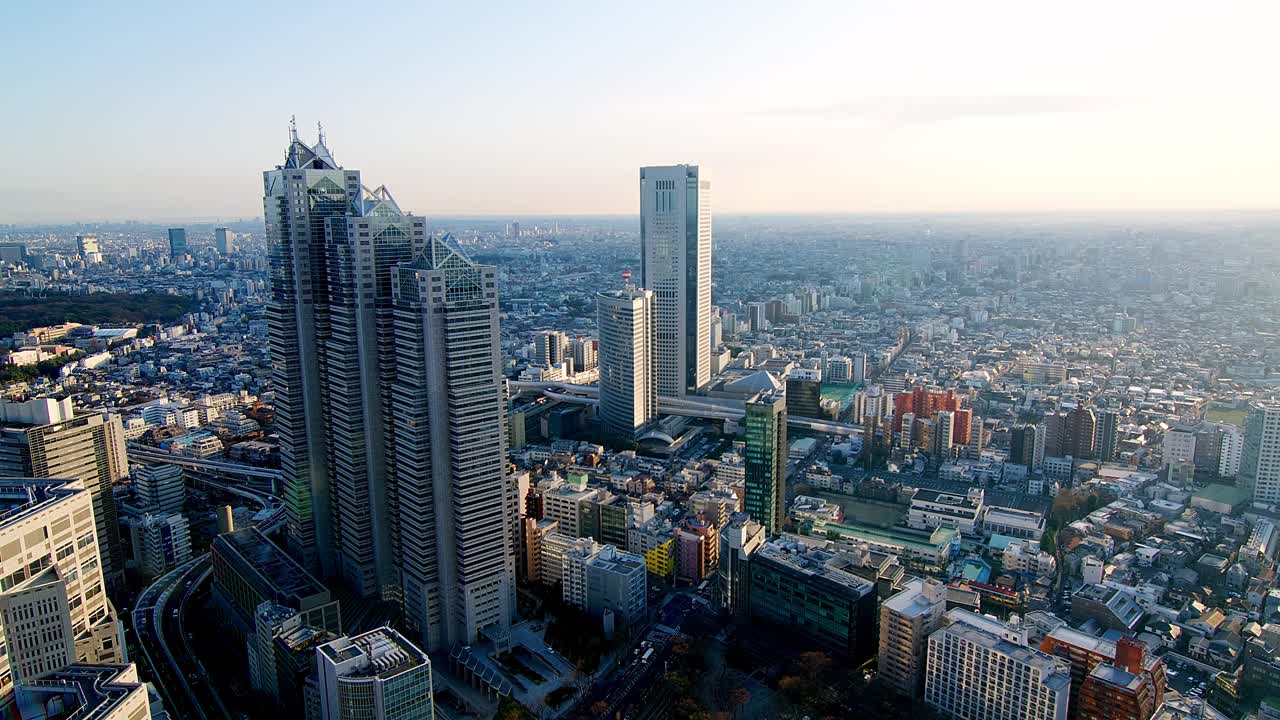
700, 407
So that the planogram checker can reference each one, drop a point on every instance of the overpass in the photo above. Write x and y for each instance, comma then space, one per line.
701, 407
219, 468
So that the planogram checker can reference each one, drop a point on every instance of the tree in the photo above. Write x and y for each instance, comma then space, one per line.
1048, 541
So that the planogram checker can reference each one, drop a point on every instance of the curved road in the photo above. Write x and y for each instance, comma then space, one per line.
156, 618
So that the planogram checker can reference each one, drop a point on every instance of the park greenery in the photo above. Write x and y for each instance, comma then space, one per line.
21, 311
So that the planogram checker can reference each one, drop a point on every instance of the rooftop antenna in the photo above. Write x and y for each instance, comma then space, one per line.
320, 131
293, 128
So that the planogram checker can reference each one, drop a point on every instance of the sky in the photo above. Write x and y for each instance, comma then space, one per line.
171, 110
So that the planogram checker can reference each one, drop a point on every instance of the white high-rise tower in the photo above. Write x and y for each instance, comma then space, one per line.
628, 383
455, 498
1260, 459
675, 256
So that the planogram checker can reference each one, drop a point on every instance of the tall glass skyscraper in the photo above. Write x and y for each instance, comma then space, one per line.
177, 242
455, 497
765, 464
675, 256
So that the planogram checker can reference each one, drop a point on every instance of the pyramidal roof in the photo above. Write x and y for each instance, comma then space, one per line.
441, 252
761, 380
302, 156
371, 200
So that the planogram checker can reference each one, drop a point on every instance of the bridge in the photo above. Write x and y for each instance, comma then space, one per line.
701, 407
216, 468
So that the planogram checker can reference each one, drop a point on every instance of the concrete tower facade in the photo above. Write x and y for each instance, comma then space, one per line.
675, 256
628, 378
1260, 459
299, 197
361, 250
455, 499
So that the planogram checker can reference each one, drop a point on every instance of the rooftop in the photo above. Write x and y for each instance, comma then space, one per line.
22, 497
87, 692
380, 653
289, 581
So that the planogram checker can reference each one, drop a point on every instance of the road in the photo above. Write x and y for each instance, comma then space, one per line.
158, 620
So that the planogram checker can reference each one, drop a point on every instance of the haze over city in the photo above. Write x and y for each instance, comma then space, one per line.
153, 110
702, 361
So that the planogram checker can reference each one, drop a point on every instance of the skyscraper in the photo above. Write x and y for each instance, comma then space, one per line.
44, 438
223, 240
177, 242
628, 378
88, 245
675, 256
298, 197
456, 501
1260, 461
358, 373
1108, 435
1022, 439
766, 460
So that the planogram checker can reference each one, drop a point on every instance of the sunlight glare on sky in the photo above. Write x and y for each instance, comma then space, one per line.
172, 110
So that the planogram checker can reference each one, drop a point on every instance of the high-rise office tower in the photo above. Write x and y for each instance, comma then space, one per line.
766, 460
456, 501
378, 675
44, 438
53, 610
675, 256
358, 370
628, 377
298, 197
223, 240
177, 242
1260, 460
160, 488
1080, 424
804, 393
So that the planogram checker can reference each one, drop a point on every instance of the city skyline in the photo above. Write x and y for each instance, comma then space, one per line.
854, 108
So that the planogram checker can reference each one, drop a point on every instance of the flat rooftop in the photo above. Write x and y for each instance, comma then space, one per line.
88, 692
281, 572
380, 653
22, 497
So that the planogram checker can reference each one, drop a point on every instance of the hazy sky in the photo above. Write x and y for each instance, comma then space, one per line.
173, 109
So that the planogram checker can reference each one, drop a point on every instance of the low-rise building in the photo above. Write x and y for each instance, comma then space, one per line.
934, 508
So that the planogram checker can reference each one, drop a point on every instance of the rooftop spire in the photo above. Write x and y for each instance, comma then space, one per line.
293, 128
320, 132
